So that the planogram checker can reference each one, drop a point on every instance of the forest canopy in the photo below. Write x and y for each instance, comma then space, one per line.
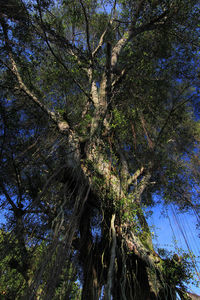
99, 113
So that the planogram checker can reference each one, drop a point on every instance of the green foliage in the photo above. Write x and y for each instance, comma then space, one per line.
118, 119
145, 120
67, 286
178, 270
12, 283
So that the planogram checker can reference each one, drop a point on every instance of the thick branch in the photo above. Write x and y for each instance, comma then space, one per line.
14, 207
141, 187
137, 200
131, 33
87, 27
150, 143
62, 125
101, 42
102, 38
25, 89
135, 175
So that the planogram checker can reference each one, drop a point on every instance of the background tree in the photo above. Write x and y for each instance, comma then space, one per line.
98, 107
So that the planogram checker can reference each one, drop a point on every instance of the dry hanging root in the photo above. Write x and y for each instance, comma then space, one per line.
112, 260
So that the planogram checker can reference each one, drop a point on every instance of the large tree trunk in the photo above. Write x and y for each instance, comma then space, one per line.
116, 264
117, 260
119, 263
135, 273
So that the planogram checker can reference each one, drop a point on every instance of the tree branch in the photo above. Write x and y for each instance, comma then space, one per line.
102, 38
14, 207
131, 33
135, 176
101, 41
150, 143
87, 27
62, 125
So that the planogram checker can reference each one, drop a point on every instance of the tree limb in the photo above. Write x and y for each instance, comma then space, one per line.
102, 38
87, 27
14, 207
135, 175
131, 33
62, 125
